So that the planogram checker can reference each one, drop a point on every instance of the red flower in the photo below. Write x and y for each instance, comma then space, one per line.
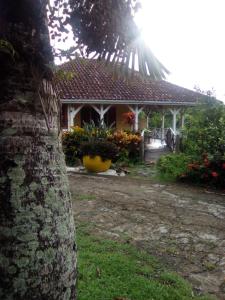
129, 117
223, 166
214, 174
206, 162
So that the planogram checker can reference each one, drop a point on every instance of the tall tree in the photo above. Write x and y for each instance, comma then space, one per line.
37, 249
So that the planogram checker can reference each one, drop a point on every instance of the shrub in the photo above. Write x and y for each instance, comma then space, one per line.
71, 141
173, 166
206, 171
104, 149
205, 131
128, 145
204, 139
97, 132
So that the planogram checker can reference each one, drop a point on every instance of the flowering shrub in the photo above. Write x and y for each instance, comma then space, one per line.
128, 144
207, 171
71, 141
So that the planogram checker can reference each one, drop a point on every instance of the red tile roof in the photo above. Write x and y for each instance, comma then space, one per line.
93, 81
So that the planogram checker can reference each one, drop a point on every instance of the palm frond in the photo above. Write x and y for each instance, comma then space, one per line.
107, 27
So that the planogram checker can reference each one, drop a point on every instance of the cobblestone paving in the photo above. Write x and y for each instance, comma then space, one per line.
183, 226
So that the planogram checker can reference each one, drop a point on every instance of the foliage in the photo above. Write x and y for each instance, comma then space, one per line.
204, 139
171, 166
128, 145
202, 145
205, 131
206, 171
104, 149
155, 118
72, 141
106, 29
93, 131
127, 272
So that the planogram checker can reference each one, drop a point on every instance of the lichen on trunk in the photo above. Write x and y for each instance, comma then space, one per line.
37, 255
37, 248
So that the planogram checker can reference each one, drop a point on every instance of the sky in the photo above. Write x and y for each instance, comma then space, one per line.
187, 36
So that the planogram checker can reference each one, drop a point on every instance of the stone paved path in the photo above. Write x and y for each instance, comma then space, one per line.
183, 226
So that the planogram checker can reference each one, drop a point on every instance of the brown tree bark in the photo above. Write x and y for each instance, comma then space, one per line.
37, 248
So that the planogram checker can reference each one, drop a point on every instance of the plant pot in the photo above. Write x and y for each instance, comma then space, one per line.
96, 164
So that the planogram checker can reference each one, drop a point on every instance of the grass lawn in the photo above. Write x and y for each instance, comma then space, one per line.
109, 270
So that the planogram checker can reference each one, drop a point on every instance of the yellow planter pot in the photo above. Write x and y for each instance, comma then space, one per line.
95, 164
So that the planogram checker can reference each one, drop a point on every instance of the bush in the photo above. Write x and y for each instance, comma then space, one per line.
173, 166
127, 143
71, 141
205, 131
204, 139
104, 149
206, 171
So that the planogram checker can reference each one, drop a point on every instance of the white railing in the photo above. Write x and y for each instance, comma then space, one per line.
159, 133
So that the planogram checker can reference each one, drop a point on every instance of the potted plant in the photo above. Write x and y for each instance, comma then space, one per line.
98, 155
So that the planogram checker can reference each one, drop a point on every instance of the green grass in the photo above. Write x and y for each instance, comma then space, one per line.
87, 197
109, 270
151, 172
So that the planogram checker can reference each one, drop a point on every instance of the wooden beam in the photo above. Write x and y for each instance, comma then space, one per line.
175, 112
72, 112
101, 111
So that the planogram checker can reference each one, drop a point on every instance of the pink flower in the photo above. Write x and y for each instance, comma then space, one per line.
214, 174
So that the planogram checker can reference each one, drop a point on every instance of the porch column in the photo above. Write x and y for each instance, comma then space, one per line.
163, 126
147, 121
136, 110
174, 112
72, 112
101, 111
182, 119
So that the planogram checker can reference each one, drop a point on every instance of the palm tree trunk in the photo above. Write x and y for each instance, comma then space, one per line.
37, 249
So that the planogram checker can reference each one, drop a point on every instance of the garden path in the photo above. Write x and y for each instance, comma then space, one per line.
181, 225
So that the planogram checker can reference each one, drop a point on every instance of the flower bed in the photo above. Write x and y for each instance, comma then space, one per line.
127, 143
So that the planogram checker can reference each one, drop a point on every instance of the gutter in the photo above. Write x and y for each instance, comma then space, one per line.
129, 102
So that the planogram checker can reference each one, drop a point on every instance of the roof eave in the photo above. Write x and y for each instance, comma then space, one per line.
129, 102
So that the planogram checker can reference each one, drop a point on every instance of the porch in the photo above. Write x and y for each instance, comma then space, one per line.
154, 139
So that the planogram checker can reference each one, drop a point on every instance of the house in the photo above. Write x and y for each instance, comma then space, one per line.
95, 94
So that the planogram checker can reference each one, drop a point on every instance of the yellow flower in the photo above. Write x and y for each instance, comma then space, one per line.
77, 129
